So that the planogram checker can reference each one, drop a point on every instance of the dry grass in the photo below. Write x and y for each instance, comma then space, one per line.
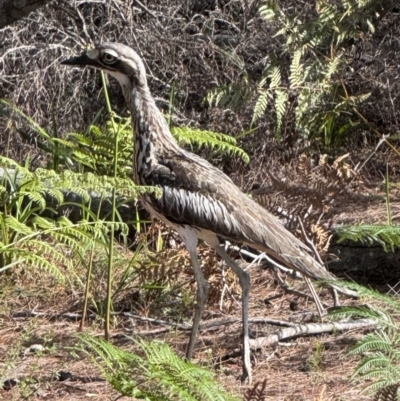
313, 368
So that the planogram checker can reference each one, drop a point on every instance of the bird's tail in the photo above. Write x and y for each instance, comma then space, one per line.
300, 260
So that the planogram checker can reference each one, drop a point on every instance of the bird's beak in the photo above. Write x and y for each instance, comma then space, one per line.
82, 60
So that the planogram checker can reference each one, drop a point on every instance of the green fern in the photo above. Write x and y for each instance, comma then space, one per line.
233, 95
317, 60
92, 151
28, 238
386, 235
261, 104
275, 91
296, 69
381, 361
382, 317
380, 350
159, 375
218, 142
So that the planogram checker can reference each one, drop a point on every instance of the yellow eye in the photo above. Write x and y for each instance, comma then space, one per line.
108, 58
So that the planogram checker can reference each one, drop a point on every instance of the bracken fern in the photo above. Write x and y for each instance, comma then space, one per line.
380, 350
32, 233
314, 59
159, 375
386, 235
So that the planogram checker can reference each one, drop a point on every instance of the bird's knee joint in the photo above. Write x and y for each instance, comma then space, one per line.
202, 292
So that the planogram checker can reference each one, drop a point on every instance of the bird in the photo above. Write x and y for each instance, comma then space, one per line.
198, 200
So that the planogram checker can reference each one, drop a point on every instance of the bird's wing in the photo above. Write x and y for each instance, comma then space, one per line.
194, 193
198, 194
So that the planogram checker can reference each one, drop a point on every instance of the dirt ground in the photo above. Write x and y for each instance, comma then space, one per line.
34, 310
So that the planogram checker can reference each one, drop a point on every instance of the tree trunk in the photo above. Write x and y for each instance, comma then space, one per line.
13, 10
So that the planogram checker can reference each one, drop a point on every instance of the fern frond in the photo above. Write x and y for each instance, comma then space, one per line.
233, 95
12, 167
281, 98
217, 141
37, 199
378, 341
261, 105
20, 228
30, 257
275, 76
382, 317
296, 70
160, 375
332, 67
385, 235
269, 9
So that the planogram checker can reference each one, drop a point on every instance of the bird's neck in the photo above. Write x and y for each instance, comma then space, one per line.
153, 138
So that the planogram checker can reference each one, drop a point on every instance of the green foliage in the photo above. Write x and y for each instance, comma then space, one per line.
93, 150
31, 233
159, 375
317, 61
381, 359
233, 95
316, 359
220, 143
380, 350
303, 81
386, 235
274, 92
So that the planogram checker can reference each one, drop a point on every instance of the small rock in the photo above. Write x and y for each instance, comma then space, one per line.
34, 349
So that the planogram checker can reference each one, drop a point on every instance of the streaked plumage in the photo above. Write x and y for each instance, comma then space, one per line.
198, 199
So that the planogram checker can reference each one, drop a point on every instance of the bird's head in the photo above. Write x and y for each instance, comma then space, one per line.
117, 59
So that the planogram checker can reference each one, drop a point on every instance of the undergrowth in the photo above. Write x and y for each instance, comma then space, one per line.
387, 235
304, 80
157, 375
379, 350
37, 233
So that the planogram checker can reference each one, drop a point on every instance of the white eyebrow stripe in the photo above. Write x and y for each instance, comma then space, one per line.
111, 52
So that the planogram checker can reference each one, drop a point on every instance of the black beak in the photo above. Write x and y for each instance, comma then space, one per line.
82, 61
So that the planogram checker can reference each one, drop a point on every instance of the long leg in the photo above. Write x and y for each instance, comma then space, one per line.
314, 294
244, 280
190, 239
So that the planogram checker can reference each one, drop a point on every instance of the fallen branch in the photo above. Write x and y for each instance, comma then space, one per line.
291, 330
309, 329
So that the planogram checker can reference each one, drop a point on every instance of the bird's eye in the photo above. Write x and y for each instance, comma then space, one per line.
108, 58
